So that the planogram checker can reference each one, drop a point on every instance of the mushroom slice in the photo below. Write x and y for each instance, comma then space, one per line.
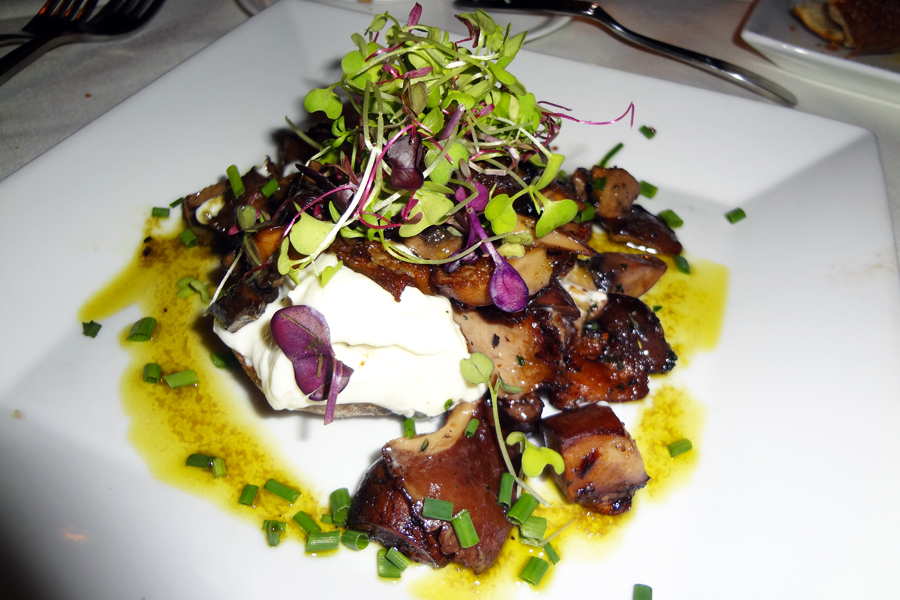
643, 230
603, 467
444, 465
613, 191
624, 273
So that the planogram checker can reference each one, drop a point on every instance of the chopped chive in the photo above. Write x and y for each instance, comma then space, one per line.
202, 461
681, 264
398, 558
648, 189
355, 540
91, 328
177, 380
671, 219
306, 523
551, 553
218, 467
648, 132
448, 403
152, 373
175, 203
162, 213
386, 568
465, 529
433, 508
234, 177
248, 494
270, 188
520, 361
504, 497
679, 447
189, 238
282, 491
534, 570
340, 506
735, 215
327, 519
471, 427
610, 154
273, 530
185, 292
142, 330
599, 184
533, 528
424, 445
657, 307
322, 541
642, 592
409, 427
522, 509
218, 360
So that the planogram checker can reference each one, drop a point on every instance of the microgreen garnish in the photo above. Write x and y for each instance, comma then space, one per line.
478, 369
535, 458
431, 112
303, 335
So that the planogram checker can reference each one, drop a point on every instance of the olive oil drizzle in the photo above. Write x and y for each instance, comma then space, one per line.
167, 425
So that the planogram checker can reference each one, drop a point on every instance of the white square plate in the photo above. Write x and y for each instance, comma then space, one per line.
784, 40
796, 491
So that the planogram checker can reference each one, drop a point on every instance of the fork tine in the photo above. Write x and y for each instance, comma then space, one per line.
86, 9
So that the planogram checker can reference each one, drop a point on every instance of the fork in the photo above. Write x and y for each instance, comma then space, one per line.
585, 8
55, 17
116, 18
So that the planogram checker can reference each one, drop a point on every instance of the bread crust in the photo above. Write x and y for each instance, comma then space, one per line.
341, 411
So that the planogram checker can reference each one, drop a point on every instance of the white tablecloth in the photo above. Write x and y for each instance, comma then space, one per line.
73, 85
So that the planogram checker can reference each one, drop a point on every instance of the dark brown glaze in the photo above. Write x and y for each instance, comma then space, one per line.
613, 191
581, 182
613, 354
624, 273
435, 243
643, 229
241, 304
571, 237
463, 470
603, 467
520, 412
369, 258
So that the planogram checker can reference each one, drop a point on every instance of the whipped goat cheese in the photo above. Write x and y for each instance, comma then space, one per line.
404, 355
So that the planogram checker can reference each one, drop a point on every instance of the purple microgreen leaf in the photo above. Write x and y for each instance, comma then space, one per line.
414, 15
507, 288
404, 156
303, 335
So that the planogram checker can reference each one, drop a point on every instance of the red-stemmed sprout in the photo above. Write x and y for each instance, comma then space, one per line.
303, 335
507, 288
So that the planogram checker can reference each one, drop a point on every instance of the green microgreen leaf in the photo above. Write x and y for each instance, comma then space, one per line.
535, 458
324, 100
555, 214
308, 233
329, 272
554, 162
477, 368
433, 208
499, 211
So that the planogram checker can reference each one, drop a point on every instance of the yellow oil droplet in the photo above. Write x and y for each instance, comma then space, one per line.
167, 425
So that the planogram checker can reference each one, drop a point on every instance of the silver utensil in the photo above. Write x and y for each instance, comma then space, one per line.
116, 18
584, 8
55, 17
